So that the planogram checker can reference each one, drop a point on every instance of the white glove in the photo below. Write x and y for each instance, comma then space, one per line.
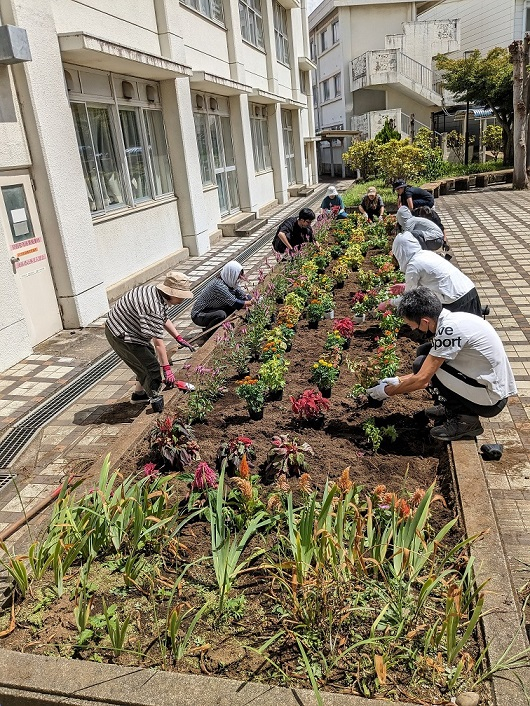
378, 392
391, 381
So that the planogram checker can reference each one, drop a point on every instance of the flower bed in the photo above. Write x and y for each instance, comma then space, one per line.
313, 547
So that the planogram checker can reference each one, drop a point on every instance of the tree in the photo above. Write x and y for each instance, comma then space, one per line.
492, 139
387, 133
362, 156
519, 58
398, 159
484, 80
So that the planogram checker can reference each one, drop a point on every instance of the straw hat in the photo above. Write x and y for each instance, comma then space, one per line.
176, 284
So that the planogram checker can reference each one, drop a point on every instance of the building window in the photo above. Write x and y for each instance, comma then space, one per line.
201, 133
325, 90
260, 137
323, 41
210, 8
335, 32
123, 152
280, 33
312, 50
303, 81
336, 85
251, 22
526, 19
315, 97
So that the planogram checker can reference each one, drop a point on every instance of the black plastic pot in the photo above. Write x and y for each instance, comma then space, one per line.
326, 391
315, 422
347, 344
312, 324
339, 285
374, 403
275, 395
255, 414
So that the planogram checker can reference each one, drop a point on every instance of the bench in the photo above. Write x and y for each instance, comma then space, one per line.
462, 183
446, 185
433, 188
505, 175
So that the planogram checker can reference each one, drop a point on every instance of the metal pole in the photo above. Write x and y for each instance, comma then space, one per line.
466, 137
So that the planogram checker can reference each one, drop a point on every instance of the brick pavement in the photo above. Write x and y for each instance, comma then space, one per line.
489, 231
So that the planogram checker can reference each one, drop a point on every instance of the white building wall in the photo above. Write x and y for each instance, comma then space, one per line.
210, 55
484, 24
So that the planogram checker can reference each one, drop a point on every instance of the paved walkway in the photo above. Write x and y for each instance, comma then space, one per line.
489, 231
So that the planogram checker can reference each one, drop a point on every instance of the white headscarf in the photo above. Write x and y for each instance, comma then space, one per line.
404, 247
230, 273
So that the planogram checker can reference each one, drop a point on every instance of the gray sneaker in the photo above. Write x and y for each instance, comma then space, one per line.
437, 411
157, 404
462, 426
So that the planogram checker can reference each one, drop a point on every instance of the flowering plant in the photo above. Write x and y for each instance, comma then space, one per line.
287, 456
289, 315
353, 256
232, 452
286, 333
334, 340
204, 478
296, 301
325, 374
273, 348
390, 323
175, 442
309, 404
339, 271
233, 349
344, 327
315, 310
367, 279
253, 391
273, 373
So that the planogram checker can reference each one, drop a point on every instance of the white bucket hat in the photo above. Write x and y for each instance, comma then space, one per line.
332, 191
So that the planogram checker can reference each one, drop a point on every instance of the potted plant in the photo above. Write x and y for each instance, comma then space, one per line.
335, 251
273, 347
287, 456
339, 272
325, 375
359, 307
345, 328
328, 305
334, 340
280, 286
272, 373
309, 407
253, 391
322, 261
314, 312
289, 315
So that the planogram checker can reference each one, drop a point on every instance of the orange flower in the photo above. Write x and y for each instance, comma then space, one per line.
274, 504
281, 484
417, 497
245, 487
344, 481
403, 507
380, 490
244, 469
305, 483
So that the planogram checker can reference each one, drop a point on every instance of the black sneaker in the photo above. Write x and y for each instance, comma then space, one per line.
157, 404
437, 411
140, 397
462, 426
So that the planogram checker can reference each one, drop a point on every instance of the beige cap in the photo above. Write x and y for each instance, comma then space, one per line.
371, 190
176, 284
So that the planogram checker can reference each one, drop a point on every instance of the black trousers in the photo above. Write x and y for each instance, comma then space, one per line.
141, 360
470, 303
207, 319
456, 400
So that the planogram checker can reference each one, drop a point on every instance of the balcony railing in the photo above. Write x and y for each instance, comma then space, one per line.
393, 61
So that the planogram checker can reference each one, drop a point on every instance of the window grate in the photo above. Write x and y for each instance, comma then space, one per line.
5, 480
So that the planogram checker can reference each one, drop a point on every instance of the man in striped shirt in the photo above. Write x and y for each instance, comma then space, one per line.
136, 323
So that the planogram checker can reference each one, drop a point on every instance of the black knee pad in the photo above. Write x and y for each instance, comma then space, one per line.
418, 362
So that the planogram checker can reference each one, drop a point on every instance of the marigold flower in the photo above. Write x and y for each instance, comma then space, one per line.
205, 477
245, 487
244, 469
305, 483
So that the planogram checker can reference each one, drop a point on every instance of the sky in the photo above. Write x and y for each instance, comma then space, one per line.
311, 4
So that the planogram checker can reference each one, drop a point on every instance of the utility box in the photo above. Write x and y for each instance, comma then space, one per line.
14, 45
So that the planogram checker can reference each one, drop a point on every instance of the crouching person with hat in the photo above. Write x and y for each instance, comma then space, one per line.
135, 329
467, 364
332, 204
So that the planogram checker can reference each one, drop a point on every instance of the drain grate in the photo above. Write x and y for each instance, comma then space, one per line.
23, 431
5, 480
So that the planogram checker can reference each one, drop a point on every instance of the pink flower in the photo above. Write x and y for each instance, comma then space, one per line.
205, 477
151, 470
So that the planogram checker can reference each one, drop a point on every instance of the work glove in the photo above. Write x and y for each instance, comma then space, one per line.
391, 381
383, 306
378, 391
169, 378
397, 289
445, 246
184, 344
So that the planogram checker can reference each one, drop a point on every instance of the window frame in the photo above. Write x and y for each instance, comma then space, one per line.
259, 132
281, 33
326, 95
337, 79
206, 9
335, 32
252, 21
323, 40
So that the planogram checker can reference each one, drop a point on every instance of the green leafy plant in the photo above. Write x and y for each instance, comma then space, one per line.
334, 340
253, 391
375, 434
325, 374
273, 373
16, 568
116, 628
492, 140
362, 155
179, 643
287, 456
315, 311
387, 133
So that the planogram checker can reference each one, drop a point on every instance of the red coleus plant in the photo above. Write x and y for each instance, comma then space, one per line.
345, 327
309, 404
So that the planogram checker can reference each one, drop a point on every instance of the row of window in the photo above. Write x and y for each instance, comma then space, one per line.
251, 21
323, 39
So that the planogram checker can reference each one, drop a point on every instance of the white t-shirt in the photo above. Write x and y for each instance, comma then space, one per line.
427, 269
473, 347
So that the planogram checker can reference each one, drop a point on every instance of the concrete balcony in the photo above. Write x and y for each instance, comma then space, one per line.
393, 68
369, 124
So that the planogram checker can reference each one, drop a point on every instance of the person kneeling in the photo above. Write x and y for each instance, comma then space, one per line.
467, 364
221, 297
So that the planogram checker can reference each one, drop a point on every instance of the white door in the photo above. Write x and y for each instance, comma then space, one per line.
31, 268
288, 145
224, 164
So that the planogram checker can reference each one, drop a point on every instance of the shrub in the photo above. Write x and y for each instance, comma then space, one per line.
492, 139
388, 132
398, 159
433, 160
362, 156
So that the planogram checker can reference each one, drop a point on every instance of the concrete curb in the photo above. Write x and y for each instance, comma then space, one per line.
501, 623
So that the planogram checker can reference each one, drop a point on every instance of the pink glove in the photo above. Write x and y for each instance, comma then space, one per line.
383, 306
397, 289
169, 378
183, 343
